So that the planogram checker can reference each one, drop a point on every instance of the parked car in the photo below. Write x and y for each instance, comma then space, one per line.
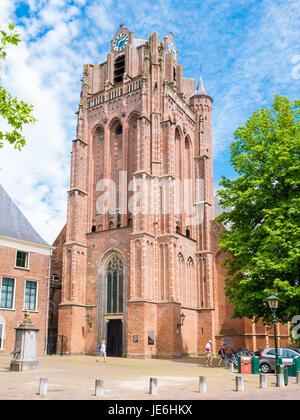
297, 349
267, 361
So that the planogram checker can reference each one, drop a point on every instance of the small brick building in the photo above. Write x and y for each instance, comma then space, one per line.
24, 274
139, 256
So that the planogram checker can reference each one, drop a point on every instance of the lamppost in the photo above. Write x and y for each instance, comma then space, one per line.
182, 317
273, 305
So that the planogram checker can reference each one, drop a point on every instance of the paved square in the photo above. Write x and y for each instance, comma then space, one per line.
73, 377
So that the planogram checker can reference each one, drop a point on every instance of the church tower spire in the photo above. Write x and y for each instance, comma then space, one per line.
201, 90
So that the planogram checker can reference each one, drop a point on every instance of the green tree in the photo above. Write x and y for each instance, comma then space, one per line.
15, 112
263, 239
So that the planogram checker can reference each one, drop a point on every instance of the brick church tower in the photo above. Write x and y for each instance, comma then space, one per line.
139, 252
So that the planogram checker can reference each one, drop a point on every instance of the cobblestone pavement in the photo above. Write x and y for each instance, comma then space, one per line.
73, 378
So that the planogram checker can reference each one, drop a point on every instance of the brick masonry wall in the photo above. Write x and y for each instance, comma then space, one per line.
145, 125
38, 271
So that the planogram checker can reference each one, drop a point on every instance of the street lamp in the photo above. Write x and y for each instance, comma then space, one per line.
182, 316
89, 320
273, 305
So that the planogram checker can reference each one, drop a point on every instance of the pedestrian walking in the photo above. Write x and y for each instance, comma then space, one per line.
208, 351
222, 353
102, 351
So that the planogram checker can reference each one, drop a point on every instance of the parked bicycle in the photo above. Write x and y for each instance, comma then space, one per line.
231, 357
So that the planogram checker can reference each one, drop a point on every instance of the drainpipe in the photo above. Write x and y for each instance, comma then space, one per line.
47, 304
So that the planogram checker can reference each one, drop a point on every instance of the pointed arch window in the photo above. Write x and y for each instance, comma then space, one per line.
115, 279
118, 131
201, 124
118, 221
100, 133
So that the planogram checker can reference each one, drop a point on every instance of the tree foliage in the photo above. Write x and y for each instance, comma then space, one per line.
264, 236
15, 112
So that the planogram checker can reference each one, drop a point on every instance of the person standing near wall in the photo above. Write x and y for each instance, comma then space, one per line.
102, 351
208, 351
222, 353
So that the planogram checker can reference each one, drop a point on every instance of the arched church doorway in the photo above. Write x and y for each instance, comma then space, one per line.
114, 338
112, 289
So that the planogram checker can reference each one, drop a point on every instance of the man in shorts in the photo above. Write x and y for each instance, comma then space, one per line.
222, 353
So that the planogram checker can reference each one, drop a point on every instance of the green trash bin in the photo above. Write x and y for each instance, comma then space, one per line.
291, 369
255, 365
239, 364
286, 362
286, 375
295, 367
289, 363
244, 364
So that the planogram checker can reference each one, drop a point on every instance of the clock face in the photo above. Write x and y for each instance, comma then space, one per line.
120, 42
171, 48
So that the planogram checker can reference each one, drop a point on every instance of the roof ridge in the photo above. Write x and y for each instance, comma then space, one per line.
13, 223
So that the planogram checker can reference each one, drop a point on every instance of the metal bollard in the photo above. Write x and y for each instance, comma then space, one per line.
43, 387
231, 367
153, 386
280, 380
263, 383
298, 377
202, 384
239, 383
99, 387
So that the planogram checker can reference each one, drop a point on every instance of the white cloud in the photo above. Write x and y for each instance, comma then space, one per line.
98, 14
42, 73
7, 9
261, 68
45, 70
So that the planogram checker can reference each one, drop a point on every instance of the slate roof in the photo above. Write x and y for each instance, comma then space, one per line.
13, 223
200, 88
218, 208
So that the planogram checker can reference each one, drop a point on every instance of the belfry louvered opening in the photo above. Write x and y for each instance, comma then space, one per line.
119, 69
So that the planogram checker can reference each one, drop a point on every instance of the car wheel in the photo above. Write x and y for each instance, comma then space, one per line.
265, 368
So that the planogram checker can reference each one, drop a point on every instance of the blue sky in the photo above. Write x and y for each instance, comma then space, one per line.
249, 50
